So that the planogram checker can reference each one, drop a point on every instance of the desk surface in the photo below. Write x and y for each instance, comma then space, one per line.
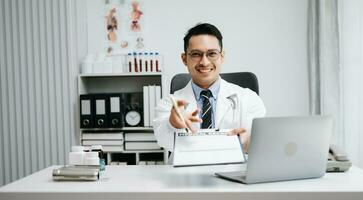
164, 181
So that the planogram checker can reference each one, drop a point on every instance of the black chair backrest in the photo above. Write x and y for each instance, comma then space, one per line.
243, 79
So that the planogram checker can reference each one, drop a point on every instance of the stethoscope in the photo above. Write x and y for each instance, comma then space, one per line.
233, 100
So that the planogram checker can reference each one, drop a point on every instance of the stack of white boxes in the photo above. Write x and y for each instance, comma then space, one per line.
110, 141
140, 141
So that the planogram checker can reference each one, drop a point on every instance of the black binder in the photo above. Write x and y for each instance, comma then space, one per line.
101, 105
116, 110
86, 111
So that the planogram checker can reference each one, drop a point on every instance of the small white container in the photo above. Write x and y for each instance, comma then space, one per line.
117, 64
87, 148
87, 64
77, 148
76, 158
91, 158
91, 154
101, 65
107, 65
91, 161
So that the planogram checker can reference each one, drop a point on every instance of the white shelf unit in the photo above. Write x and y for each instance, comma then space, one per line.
121, 83
124, 82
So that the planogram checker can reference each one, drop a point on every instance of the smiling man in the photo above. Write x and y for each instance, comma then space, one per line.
207, 101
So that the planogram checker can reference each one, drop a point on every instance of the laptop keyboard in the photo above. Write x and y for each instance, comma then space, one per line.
236, 173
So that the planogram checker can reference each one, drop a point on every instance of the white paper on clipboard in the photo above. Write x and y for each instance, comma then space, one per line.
207, 147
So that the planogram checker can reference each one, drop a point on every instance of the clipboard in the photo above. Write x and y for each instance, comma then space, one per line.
207, 147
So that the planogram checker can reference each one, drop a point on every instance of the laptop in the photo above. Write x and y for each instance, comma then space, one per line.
286, 148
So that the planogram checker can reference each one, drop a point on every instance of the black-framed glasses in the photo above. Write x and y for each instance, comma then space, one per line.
212, 55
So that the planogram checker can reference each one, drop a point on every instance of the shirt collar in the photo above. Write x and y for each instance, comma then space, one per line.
214, 88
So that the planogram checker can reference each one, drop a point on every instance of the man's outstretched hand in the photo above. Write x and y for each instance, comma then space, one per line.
188, 118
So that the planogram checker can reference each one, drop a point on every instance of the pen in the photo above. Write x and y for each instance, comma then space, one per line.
175, 105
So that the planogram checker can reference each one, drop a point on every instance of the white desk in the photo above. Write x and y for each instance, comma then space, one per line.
166, 182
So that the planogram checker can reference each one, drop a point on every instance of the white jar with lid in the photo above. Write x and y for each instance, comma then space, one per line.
99, 64
76, 157
87, 64
107, 65
117, 64
91, 158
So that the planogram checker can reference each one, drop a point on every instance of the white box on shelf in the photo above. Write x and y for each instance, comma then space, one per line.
112, 148
102, 136
140, 137
141, 146
142, 163
102, 142
150, 162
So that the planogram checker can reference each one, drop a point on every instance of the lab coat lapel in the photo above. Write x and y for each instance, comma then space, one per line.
223, 104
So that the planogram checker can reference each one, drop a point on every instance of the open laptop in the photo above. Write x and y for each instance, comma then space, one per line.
286, 148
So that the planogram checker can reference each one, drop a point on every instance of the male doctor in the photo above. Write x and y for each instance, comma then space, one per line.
207, 101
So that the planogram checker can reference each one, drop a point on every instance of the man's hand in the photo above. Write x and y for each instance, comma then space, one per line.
189, 118
243, 136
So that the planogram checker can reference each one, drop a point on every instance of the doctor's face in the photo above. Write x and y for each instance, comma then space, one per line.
203, 59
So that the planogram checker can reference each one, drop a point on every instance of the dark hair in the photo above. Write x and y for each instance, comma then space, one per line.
203, 29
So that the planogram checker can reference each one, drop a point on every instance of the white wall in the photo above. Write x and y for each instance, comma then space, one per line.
351, 56
268, 38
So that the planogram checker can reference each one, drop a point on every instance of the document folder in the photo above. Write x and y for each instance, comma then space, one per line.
86, 111
116, 103
101, 111
207, 147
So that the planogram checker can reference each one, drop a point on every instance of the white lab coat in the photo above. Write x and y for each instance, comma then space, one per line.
235, 108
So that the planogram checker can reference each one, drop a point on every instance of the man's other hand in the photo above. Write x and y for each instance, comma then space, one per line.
243, 136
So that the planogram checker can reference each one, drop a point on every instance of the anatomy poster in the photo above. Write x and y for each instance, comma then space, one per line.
116, 26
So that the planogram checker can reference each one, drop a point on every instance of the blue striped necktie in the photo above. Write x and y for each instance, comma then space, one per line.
206, 110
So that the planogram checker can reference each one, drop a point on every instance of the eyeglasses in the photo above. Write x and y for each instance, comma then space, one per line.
212, 55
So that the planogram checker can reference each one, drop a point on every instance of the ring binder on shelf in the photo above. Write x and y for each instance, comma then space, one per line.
116, 107
101, 111
86, 111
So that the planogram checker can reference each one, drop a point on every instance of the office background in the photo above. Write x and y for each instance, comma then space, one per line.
42, 43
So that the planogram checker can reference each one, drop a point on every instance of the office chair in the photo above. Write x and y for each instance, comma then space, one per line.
243, 79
